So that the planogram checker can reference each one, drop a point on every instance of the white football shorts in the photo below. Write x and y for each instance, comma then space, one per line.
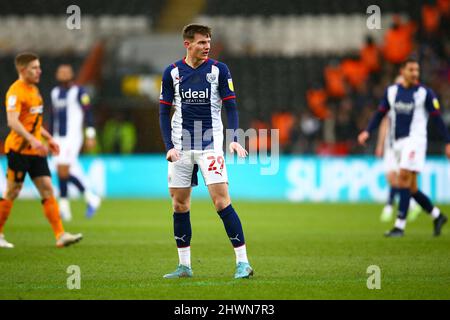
69, 150
389, 160
410, 154
183, 173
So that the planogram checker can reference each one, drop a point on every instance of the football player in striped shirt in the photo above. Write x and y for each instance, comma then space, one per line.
198, 87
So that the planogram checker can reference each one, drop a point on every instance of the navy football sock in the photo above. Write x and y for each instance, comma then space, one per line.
392, 193
423, 201
63, 187
77, 183
233, 226
405, 197
182, 229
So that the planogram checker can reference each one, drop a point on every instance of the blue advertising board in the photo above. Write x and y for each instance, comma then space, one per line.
287, 178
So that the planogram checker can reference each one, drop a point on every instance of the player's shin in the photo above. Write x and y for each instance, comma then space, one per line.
405, 196
77, 182
392, 193
183, 233
426, 203
63, 187
233, 227
64, 205
5, 210
51, 211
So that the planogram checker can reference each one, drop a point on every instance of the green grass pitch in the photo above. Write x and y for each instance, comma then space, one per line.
298, 251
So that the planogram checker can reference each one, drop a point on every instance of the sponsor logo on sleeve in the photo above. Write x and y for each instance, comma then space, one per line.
436, 104
12, 100
230, 84
85, 100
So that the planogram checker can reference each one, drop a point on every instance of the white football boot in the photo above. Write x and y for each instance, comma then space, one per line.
66, 239
4, 243
93, 203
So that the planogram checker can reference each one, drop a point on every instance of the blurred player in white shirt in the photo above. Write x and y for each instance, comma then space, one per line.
385, 149
409, 105
71, 110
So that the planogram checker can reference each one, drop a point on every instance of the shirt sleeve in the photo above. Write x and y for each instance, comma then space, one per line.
432, 103
383, 108
384, 105
167, 89
13, 101
226, 87
85, 102
165, 102
433, 108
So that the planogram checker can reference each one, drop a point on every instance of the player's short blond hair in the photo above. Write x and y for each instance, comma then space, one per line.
24, 58
190, 30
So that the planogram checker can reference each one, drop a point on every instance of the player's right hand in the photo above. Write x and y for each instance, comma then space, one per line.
447, 150
362, 137
54, 147
173, 155
90, 144
240, 150
39, 146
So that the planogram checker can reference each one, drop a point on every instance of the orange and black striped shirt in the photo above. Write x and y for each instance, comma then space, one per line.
27, 101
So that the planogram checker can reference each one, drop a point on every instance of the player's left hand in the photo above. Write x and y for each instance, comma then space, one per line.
447, 150
362, 137
241, 152
54, 147
90, 144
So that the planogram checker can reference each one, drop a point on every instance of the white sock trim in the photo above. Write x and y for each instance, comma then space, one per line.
435, 212
241, 254
400, 223
184, 256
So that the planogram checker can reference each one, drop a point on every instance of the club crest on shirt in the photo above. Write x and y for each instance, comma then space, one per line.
211, 77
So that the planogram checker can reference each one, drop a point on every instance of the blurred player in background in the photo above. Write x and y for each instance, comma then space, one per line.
198, 87
384, 149
411, 104
24, 150
71, 109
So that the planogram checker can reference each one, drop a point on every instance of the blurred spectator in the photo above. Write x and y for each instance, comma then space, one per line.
283, 121
444, 8
317, 99
370, 55
355, 72
334, 80
431, 17
398, 41
345, 127
305, 133
255, 143
119, 135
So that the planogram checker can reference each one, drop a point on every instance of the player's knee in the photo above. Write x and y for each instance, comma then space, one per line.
46, 191
63, 173
13, 193
404, 180
392, 179
221, 203
180, 207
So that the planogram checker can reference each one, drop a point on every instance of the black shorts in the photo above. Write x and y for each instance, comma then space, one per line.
20, 164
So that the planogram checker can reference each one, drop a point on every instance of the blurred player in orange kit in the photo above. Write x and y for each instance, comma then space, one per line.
25, 151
